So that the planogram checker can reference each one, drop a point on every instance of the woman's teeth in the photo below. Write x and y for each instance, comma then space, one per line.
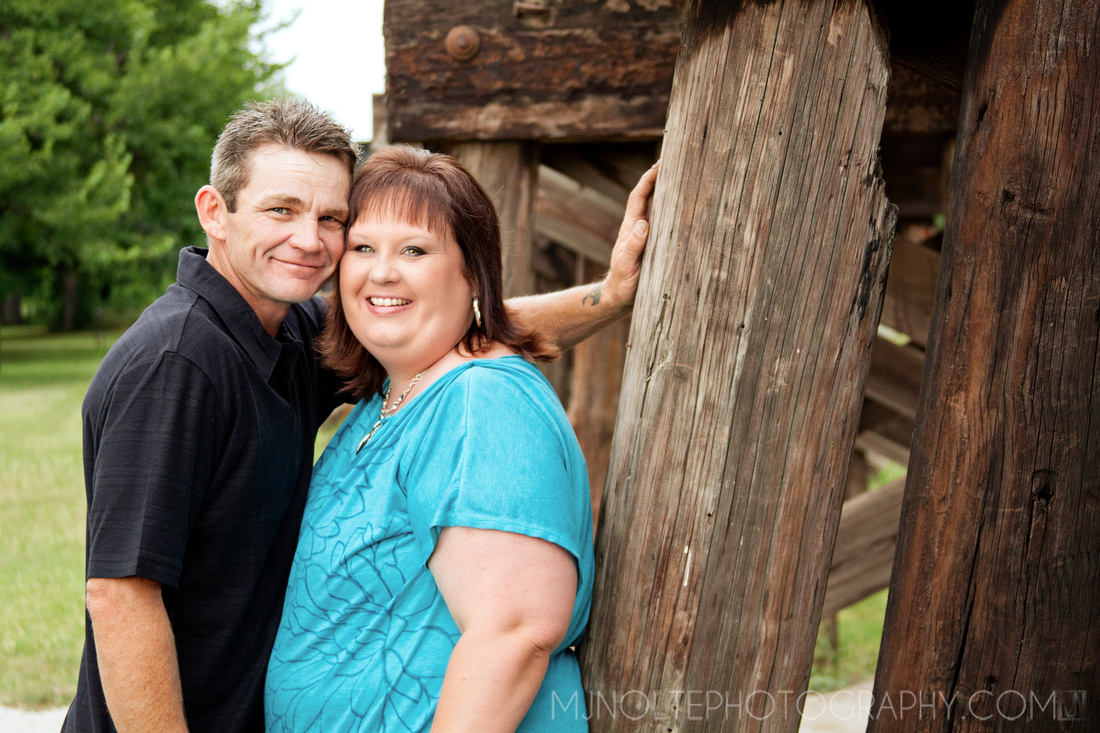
388, 301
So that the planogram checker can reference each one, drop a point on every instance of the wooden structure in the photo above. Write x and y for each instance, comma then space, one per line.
716, 548
994, 613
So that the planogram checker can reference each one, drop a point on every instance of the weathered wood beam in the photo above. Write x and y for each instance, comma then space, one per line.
610, 168
889, 435
758, 304
930, 39
910, 289
856, 483
917, 169
581, 70
576, 216
379, 121
578, 70
918, 105
508, 171
994, 603
594, 397
895, 378
864, 550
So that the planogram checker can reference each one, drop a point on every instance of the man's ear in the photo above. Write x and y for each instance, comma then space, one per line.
211, 210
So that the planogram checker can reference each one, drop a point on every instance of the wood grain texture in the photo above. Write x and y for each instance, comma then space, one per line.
884, 432
910, 289
864, 552
994, 598
895, 378
581, 70
594, 398
602, 69
758, 305
577, 216
508, 171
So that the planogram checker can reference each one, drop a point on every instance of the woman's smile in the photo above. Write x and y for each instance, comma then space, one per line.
405, 292
387, 302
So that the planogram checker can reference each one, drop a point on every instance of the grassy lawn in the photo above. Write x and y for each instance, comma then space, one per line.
42, 384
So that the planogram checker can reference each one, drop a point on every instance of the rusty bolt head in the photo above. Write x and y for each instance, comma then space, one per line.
462, 43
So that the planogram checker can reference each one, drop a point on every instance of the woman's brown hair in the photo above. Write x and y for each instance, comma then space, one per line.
435, 191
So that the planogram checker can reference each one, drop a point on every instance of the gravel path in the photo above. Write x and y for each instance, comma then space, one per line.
25, 721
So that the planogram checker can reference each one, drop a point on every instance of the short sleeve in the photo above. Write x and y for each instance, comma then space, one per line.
494, 457
158, 431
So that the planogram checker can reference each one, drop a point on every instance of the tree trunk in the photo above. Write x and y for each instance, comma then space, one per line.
70, 299
750, 346
993, 621
508, 171
13, 314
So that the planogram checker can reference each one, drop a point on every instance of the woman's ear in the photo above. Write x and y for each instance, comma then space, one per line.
211, 209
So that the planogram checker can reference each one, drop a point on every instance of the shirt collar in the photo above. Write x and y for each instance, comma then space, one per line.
240, 321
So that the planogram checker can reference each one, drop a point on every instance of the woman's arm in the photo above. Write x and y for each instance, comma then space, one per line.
567, 317
512, 598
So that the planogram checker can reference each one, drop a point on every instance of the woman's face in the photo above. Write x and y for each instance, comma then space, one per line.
404, 292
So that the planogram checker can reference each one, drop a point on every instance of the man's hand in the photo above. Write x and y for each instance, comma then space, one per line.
621, 284
137, 654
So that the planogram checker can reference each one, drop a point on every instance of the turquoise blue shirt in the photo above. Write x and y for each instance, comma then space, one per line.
365, 635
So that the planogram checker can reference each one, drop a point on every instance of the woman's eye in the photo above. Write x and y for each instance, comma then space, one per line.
414, 251
362, 248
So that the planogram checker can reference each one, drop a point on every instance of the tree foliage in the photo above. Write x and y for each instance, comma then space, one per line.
108, 113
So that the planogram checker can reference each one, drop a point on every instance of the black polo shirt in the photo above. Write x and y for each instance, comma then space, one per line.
198, 446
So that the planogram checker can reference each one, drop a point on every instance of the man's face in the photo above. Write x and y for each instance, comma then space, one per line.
287, 234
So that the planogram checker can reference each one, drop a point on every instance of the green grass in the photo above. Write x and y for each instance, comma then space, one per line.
42, 384
858, 632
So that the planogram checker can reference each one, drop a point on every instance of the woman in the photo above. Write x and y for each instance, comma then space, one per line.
445, 561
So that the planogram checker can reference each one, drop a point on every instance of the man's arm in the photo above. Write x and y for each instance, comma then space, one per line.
137, 654
567, 317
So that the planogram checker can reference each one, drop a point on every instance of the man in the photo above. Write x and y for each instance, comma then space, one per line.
199, 429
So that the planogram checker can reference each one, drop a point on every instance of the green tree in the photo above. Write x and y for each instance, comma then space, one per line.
108, 112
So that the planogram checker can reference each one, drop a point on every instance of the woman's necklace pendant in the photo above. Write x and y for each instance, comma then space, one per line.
387, 412
367, 437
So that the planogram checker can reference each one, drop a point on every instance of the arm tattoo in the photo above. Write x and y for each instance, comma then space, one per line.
593, 295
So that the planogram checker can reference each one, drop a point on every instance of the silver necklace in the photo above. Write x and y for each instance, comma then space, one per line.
386, 412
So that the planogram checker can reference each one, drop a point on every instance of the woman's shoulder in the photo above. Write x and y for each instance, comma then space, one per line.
501, 378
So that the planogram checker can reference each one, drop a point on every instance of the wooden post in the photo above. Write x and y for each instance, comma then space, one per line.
758, 304
509, 173
594, 397
993, 621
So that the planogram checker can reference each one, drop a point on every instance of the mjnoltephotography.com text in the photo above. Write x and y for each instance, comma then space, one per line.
668, 705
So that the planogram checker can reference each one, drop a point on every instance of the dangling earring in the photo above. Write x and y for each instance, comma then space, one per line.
477, 313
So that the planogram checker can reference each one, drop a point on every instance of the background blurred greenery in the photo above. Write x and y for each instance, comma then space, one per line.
108, 112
